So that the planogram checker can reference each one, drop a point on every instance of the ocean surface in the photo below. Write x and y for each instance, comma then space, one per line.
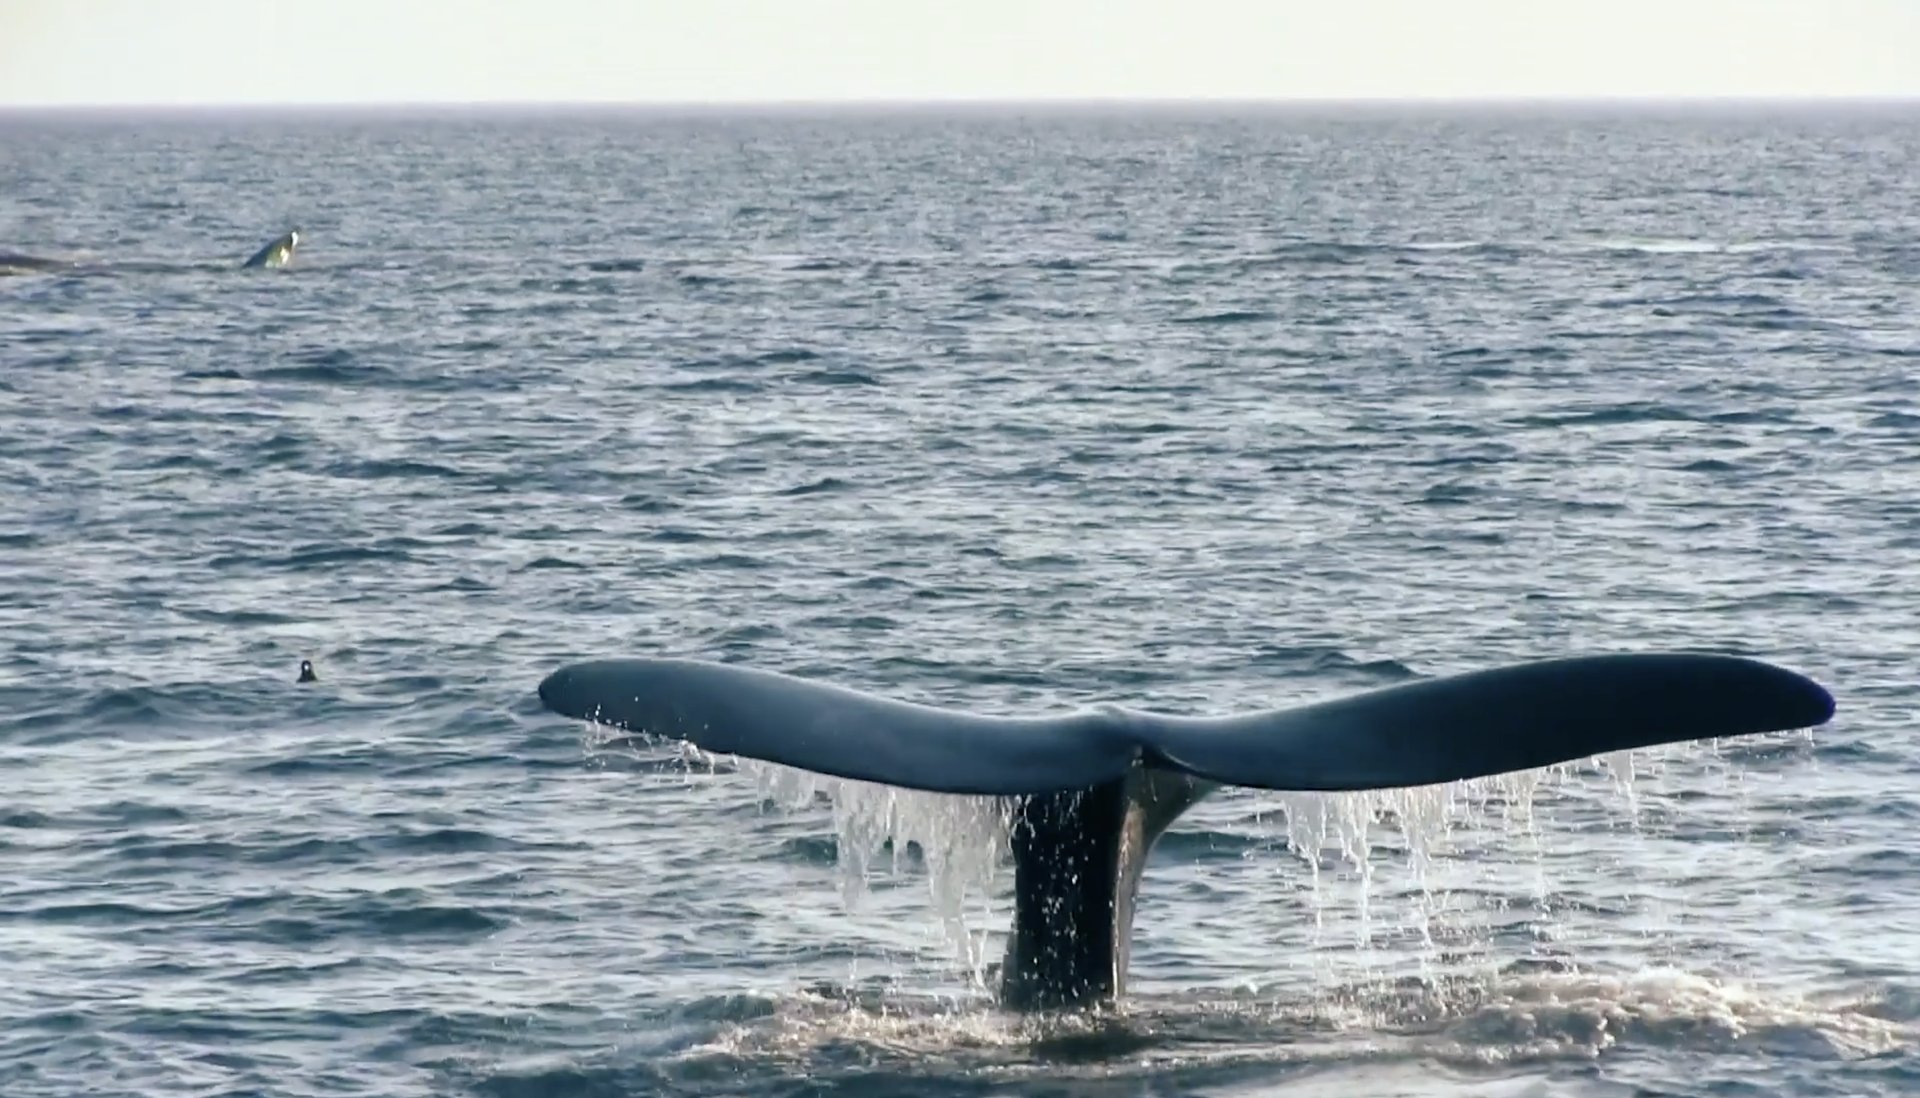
1199, 410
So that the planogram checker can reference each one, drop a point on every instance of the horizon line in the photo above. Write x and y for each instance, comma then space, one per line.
906, 102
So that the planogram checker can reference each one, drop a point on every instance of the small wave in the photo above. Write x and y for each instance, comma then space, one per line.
1903, 421
325, 374
729, 560
182, 461
745, 635
138, 706
787, 354
837, 377
472, 346
1443, 245
616, 266
280, 447
1670, 246
1466, 247
448, 840
101, 913
382, 470
812, 488
141, 848
327, 764
1560, 1014
816, 265
1713, 301
313, 556
123, 813
678, 535
381, 917
1607, 417
1231, 316
713, 385
647, 504
869, 623
1475, 354
1321, 660
539, 564
1322, 251
1448, 494
965, 673
1781, 415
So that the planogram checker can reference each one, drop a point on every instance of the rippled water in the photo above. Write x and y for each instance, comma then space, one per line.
1194, 411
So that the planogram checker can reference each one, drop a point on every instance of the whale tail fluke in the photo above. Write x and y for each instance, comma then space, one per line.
277, 252
1491, 722
1421, 733
1095, 789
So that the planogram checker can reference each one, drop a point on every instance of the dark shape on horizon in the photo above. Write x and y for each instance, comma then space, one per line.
276, 253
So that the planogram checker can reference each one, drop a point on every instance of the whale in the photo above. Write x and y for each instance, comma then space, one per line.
21, 263
1093, 789
277, 252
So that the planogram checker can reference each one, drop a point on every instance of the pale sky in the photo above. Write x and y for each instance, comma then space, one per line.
679, 51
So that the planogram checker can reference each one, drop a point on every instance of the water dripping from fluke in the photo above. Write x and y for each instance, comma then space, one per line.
1079, 799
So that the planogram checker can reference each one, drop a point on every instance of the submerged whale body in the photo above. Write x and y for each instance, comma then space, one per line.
277, 252
1095, 789
22, 263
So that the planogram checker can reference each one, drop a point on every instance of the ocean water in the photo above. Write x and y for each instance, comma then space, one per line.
1200, 410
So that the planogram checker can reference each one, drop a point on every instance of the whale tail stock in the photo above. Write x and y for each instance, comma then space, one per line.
1096, 788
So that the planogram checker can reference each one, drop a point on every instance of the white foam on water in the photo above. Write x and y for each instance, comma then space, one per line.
1583, 1014
1656, 246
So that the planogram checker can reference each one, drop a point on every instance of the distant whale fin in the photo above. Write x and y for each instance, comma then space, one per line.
278, 252
1491, 722
1437, 730
841, 732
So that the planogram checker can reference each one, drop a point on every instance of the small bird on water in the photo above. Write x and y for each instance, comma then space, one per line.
306, 672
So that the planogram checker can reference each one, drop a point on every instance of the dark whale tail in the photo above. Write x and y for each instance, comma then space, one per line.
277, 252
1096, 788
22, 263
